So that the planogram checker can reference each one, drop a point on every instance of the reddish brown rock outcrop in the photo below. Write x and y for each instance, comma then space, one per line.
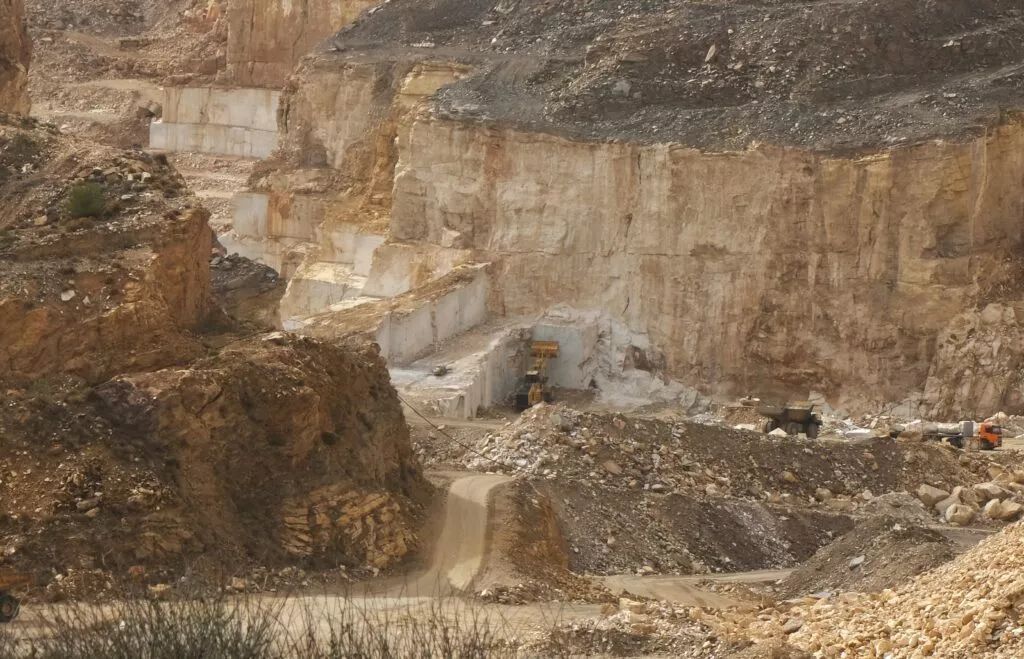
95, 294
15, 52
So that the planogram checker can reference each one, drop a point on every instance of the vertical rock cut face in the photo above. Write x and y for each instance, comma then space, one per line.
15, 52
766, 268
755, 223
266, 38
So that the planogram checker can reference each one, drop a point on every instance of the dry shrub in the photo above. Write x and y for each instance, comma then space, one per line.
258, 627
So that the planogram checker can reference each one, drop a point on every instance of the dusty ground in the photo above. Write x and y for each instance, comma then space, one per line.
717, 75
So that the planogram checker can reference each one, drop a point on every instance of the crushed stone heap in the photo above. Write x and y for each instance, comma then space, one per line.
970, 607
863, 559
718, 74
651, 496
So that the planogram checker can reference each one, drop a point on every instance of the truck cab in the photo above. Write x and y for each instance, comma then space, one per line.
990, 436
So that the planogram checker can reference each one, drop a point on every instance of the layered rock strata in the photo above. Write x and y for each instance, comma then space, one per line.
266, 38
775, 203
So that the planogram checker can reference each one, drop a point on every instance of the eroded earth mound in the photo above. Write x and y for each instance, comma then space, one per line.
144, 435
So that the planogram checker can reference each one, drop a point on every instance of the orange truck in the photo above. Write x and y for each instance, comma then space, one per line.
985, 436
990, 436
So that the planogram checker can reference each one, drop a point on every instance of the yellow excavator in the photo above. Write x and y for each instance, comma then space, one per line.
535, 388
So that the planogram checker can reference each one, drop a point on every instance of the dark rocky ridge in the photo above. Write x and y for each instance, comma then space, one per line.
717, 75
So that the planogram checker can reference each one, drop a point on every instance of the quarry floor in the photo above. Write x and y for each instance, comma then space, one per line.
463, 546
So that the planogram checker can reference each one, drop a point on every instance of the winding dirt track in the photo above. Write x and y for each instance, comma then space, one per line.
461, 548
458, 555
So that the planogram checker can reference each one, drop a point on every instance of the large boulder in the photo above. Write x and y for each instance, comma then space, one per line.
959, 514
1003, 510
953, 499
930, 496
988, 491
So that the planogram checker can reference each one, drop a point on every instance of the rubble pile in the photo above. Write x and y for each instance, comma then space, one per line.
968, 607
635, 628
878, 553
1001, 499
40, 166
615, 531
620, 452
646, 496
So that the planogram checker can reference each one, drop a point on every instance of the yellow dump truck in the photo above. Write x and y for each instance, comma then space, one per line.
794, 418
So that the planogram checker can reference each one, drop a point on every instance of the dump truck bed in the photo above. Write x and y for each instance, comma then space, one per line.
9, 581
795, 413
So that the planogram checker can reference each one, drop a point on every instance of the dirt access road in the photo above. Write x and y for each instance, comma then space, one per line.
686, 590
458, 555
461, 547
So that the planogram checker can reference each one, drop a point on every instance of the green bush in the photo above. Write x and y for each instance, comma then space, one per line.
86, 200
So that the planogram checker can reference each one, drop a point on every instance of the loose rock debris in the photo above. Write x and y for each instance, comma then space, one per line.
969, 607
